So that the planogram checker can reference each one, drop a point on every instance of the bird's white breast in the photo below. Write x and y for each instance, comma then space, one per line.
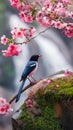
34, 69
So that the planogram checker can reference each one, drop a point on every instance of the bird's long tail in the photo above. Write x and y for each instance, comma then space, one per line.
20, 90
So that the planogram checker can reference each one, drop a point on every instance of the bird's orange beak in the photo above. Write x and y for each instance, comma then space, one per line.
40, 55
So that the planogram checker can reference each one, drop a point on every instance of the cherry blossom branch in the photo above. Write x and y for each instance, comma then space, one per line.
28, 40
47, 13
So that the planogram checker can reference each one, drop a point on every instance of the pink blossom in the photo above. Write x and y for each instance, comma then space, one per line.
20, 32
4, 39
21, 6
69, 30
66, 1
22, 15
49, 80
64, 25
3, 110
25, 32
44, 21
47, 13
14, 2
17, 33
69, 33
66, 13
71, 15
5, 107
39, 16
60, 5
2, 101
12, 50
67, 72
26, 18
29, 103
13, 32
32, 30
47, 3
58, 25
26, 14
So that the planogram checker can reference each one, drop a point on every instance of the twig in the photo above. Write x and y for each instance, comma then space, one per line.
28, 86
33, 83
25, 42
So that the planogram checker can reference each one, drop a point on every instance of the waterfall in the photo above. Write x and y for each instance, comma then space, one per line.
53, 58
50, 50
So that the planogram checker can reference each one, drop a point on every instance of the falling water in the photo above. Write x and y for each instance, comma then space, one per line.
54, 56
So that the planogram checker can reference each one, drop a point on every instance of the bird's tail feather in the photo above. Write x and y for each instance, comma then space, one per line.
20, 90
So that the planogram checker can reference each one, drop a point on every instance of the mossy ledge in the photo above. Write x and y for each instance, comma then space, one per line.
52, 107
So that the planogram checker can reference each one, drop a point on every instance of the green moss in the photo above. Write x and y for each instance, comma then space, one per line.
46, 121
46, 100
65, 86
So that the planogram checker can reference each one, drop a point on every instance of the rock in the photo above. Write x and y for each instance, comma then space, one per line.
51, 108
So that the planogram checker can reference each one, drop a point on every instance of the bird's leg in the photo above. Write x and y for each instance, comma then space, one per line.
33, 78
29, 79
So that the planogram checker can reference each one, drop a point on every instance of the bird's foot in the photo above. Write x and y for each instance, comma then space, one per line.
33, 78
29, 80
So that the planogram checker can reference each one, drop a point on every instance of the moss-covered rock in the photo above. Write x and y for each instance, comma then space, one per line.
51, 108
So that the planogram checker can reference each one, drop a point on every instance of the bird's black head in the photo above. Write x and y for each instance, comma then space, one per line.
35, 57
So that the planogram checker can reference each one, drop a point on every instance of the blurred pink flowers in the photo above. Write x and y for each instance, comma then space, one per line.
4, 39
29, 103
58, 25
49, 80
66, 1
5, 107
16, 33
14, 2
51, 14
67, 72
12, 50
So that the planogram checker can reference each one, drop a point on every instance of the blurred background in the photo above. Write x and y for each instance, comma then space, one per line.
56, 50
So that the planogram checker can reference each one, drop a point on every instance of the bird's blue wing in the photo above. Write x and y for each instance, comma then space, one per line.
31, 65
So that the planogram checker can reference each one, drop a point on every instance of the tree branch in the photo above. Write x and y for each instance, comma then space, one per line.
28, 40
28, 86
33, 83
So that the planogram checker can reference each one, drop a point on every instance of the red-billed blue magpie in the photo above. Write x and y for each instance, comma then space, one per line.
29, 70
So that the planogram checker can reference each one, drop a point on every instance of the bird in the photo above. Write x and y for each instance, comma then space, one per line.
29, 70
